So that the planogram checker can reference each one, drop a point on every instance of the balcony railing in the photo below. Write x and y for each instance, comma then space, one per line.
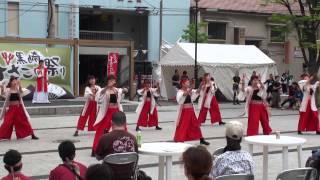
104, 35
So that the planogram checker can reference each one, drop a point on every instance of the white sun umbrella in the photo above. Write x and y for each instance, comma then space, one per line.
55, 91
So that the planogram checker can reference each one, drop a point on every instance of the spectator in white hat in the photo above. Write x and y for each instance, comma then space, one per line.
233, 160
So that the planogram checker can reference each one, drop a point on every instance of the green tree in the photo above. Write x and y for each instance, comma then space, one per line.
303, 17
190, 33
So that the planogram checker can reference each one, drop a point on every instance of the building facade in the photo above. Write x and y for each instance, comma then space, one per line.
248, 22
100, 26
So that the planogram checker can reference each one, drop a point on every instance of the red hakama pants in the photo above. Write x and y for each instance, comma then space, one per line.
188, 128
258, 112
90, 113
15, 117
214, 112
104, 125
146, 119
309, 120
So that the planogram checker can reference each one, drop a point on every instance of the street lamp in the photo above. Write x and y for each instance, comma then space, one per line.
196, 47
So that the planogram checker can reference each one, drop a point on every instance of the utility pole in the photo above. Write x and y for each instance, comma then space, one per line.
160, 29
196, 47
51, 20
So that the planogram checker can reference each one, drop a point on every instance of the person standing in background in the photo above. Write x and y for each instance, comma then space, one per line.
41, 91
269, 82
285, 82
184, 75
175, 80
235, 87
276, 87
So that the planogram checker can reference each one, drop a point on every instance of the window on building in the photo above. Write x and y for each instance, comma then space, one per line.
277, 34
13, 19
56, 20
217, 30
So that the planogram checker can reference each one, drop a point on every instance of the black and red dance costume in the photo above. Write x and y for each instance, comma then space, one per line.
257, 108
188, 126
147, 109
15, 116
90, 109
110, 103
309, 118
208, 102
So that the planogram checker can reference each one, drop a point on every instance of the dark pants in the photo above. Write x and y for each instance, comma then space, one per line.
284, 88
275, 99
292, 102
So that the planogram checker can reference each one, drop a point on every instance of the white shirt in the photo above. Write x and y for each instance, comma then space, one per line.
233, 162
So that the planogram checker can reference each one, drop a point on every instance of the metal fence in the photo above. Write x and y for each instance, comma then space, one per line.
103, 35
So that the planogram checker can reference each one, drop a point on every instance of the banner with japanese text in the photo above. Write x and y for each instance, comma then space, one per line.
21, 60
113, 61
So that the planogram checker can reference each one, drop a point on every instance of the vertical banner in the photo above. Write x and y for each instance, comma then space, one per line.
113, 60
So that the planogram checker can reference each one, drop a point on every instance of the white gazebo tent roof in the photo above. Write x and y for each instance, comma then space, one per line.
220, 60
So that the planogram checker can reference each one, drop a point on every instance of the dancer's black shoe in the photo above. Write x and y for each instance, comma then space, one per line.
204, 142
34, 137
158, 128
92, 153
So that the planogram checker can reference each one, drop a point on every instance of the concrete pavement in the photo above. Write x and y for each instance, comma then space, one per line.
39, 157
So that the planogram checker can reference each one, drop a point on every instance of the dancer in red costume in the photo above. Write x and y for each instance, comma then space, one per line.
147, 109
208, 101
14, 112
110, 98
90, 108
309, 119
188, 126
41, 92
256, 106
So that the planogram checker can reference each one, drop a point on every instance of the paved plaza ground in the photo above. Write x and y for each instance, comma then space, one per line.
39, 157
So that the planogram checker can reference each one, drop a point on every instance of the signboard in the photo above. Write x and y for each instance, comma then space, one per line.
21, 61
113, 61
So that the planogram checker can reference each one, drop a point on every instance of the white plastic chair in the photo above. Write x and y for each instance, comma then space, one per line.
298, 174
218, 152
236, 177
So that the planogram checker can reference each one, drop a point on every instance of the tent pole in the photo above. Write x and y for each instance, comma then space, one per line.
196, 47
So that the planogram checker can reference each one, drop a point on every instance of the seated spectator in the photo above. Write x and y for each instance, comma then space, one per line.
12, 163
99, 172
233, 160
117, 141
70, 169
314, 162
197, 163
292, 99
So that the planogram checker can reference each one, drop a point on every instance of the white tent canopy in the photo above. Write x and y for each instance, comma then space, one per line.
220, 60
